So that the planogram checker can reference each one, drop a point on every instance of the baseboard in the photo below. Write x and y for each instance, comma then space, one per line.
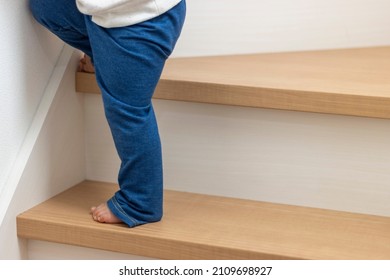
52, 156
33, 133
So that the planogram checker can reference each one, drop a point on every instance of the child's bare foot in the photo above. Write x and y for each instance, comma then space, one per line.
86, 65
103, 214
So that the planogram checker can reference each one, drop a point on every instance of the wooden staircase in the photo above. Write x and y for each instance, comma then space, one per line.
198, 226
351, 82
354, 82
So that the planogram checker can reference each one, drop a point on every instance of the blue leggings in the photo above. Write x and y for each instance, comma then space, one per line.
128, 63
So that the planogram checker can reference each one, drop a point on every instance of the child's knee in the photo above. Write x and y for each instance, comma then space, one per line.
37, 8
46, 12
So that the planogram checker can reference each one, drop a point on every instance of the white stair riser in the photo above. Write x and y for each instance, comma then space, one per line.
42, 250
325, 161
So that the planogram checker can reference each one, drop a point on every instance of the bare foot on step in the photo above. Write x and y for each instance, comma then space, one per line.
86, 64
103, 214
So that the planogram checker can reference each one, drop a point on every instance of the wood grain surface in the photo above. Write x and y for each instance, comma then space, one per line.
209, 227
347, 82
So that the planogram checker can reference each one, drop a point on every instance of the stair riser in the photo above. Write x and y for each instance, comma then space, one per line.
43, 250
326, 161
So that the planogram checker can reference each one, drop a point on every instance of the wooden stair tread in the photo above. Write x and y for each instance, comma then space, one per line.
349, 82
209, 227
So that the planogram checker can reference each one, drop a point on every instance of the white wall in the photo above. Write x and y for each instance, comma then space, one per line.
56, 160
27, 57
247, 26
38, 157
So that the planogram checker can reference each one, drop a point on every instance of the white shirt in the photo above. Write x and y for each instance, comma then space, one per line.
118, 13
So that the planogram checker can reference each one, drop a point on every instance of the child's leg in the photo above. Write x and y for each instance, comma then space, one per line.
63, 19
128, 62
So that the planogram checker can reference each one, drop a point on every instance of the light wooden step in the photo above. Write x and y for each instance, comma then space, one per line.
208, 227
348, 82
